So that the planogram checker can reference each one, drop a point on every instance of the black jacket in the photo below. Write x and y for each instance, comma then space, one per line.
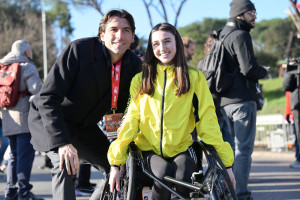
239, 56
290, 83
77, 94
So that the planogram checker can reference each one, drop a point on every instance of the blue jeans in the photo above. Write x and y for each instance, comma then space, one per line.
241, 120
297, 155
227, 137
4, 144
19, 164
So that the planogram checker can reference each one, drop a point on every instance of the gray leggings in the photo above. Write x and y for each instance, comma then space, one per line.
180, 167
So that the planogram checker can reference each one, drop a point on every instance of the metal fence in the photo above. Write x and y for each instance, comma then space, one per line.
273, 133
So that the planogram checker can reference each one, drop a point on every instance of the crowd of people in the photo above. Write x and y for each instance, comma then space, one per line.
153, 91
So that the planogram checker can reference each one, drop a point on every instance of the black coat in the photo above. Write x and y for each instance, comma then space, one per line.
290, 83
77, 94
239, 56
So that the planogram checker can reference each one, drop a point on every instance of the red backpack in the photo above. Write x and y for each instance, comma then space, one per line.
9, 84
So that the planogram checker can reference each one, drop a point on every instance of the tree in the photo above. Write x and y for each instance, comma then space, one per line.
96, 4
60, 16
199, 31
23, 21
160, 7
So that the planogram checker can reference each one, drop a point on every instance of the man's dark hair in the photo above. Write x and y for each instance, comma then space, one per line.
118, 13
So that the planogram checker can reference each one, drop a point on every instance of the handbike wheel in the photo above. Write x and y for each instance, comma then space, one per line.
222, 188
131, 177
106, 194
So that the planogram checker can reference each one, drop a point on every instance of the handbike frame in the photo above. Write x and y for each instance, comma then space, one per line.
201, 188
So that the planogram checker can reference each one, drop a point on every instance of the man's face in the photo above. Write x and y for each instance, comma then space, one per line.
189, 51
250, 17
117, 36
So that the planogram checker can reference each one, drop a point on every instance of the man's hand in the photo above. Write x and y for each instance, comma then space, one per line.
114, 178
232, 178
68, 155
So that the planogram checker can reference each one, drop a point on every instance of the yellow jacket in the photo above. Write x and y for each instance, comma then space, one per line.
165, 129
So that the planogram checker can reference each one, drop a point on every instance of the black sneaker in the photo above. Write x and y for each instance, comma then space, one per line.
29, 196
11, 197
85, 191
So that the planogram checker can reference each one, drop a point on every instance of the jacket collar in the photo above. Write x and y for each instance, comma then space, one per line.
238, 24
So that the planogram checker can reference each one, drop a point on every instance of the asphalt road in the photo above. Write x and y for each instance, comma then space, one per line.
270, 178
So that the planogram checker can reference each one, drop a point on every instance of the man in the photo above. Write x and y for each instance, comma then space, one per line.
77, 94
15, 125
189, 47
238, 105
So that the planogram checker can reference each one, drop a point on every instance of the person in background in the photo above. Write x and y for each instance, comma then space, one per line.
238, 104
83, 185
15, 124
89, 79
133, 47
216, 97
189, 48
289, 118
291, 84
3, 145
160, 115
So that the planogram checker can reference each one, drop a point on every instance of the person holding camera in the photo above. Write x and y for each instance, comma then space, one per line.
291, 83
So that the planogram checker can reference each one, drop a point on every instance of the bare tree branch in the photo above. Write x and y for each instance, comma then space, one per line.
97, 4
293, 3
164, 10
178, 12
156, 7
147, 5
293, 17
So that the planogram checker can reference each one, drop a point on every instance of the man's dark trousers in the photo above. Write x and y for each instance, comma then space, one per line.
63, 184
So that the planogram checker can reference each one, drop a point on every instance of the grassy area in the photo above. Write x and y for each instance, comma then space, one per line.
274, 96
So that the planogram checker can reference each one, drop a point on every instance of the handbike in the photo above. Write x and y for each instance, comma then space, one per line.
213, 183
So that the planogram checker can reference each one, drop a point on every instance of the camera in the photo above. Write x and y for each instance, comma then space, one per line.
293, 68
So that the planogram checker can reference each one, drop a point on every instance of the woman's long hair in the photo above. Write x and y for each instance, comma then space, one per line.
179, 63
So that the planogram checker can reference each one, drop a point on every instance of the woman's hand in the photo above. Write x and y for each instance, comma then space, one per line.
232, 178
114, 178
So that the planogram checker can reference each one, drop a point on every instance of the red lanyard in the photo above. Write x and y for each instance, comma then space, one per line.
115, 79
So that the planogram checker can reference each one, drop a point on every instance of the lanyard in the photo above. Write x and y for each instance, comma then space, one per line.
115, 78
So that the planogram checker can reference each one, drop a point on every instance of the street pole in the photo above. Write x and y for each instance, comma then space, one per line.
44, 44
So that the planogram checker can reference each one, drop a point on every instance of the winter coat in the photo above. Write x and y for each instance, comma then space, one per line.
15, 119
162, 123
77, 94
239, 57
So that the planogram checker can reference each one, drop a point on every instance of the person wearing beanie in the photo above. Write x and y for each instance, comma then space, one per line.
238, 104
15, 124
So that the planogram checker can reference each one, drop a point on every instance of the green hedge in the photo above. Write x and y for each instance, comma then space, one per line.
274, 96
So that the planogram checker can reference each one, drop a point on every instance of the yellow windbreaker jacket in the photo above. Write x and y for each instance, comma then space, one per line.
163, 123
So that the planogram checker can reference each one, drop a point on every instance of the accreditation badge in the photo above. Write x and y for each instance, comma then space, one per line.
112, 123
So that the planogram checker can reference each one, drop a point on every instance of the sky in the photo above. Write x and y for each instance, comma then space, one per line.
86, 20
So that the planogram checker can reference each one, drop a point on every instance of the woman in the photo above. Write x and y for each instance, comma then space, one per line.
160, 115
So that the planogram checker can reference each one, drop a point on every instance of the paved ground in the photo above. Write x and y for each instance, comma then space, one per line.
270, 178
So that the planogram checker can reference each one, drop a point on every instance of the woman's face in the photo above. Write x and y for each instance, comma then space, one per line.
164, 46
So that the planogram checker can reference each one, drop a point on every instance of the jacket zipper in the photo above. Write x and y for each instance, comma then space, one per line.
162, 111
